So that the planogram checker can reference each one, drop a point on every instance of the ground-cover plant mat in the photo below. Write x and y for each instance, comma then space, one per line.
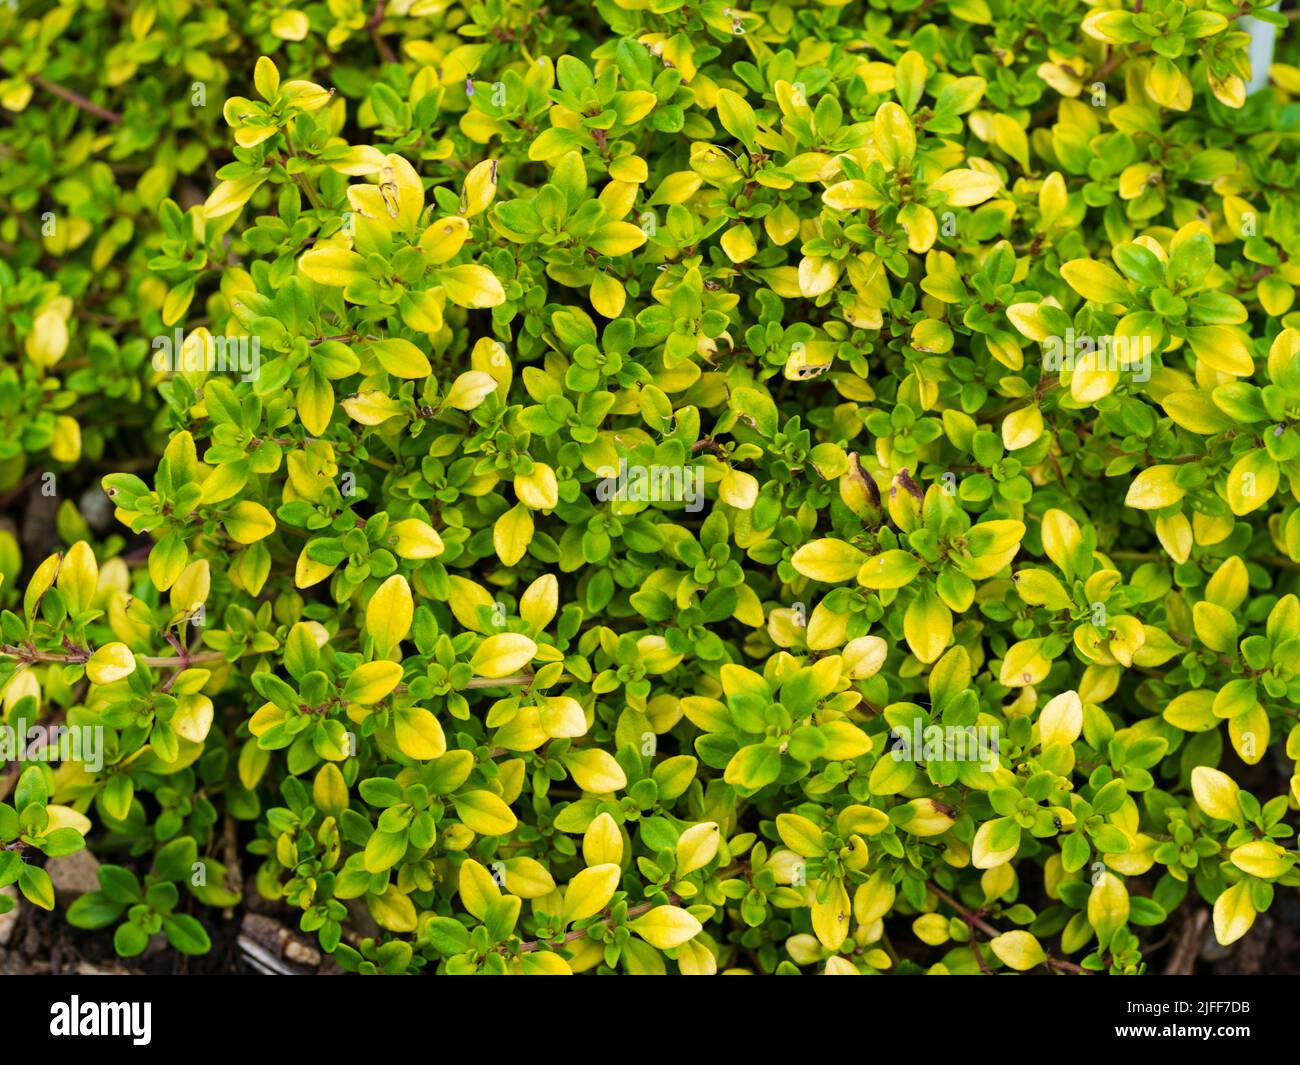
647, 486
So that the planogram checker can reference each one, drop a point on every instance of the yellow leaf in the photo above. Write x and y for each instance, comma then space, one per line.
738, 243
738, 489
1061, 721
607, 296
478, 891
1196, 412
1262, 858
1021, 428
371, 407
46, 343
1234, 913
1061, 536
423, 311
828, 560
485, 813
419, 735
617, 238
1215, 627
562, 717
473, 286
66, 817
401, 358
1108, 906
230, 196
443, 240
1024, 664
1223, 348
927, 625
540, 600
191, 588
66, 445
894, 136
1168, 86
392, 910
696, 847
800, 834
315, 406
1216, 794
332, 265
982, 854
538, 490
479, 189
967, 188
1154, 488
666, 927
850, 196
112, 662
602, 843
78, 578
926, 818
389, 614
1175, 535
360, 161
193, 718
1018, 950
864, 656
830, 919
595, 771
247, 522
1249, 734
371, 681
265, 718
528, 878
844, 740
470, 389
1252, 481
512, 534
590, 891
695, 959
290, 25
1095, 281
544, 963
817, 275
329, 791
1192, 712
1229, 585
502, 655
414, 539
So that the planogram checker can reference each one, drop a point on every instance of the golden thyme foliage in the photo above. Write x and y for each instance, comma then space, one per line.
660, 488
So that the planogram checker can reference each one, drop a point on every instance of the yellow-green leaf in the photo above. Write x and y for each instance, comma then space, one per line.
502, 655
484, 812
1018, 950
1234, 913
418, 734
389, 614
666, 927
590, 891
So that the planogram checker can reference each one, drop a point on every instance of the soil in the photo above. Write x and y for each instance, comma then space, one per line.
43, 943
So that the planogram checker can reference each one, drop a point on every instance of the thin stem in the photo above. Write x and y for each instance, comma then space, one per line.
974, 920
77, 99
386, 53
301, 180
1117, 57
516, 681
82, 655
